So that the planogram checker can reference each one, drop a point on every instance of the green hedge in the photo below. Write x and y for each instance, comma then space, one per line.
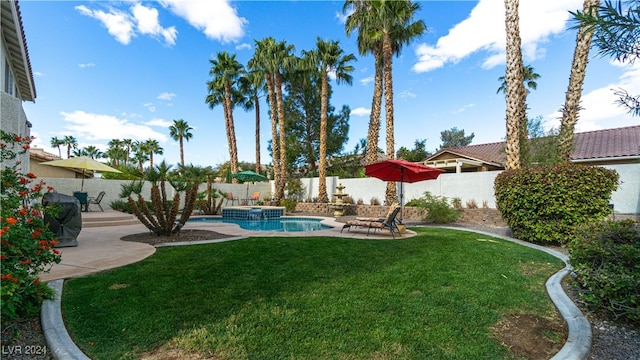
606, 259
546, 204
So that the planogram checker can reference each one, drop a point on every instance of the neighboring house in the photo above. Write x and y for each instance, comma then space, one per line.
38, 156
16, 76
600, 147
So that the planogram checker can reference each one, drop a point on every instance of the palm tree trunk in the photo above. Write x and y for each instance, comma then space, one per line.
231, 135
181, 152
391, 193
574, 92
373, 134
257, 105
283, 138
322, 173
275, 148
515, 105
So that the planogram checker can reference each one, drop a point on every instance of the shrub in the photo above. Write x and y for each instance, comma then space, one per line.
471, 204
457, 203
436, 207
360, 201
546, 204
26, 248
606, 259
374, 201
121, 205
289, 204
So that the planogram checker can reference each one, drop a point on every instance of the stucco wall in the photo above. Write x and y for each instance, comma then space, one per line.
14, 120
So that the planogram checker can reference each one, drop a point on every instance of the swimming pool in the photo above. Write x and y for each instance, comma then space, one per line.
283, 224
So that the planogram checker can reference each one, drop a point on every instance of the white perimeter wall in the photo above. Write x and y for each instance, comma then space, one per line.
476, 186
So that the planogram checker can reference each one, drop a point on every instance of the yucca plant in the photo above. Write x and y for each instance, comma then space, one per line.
163, 220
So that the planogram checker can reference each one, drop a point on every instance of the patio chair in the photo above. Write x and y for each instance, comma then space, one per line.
388, 223
232, 198
96, 201
254, 198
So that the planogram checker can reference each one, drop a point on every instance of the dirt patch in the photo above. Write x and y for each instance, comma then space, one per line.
531, 337
172, 354
184, 235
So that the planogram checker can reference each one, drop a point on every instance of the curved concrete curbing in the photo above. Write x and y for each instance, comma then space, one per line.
58, 339
577, 346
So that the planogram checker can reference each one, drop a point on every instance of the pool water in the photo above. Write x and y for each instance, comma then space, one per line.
286, 224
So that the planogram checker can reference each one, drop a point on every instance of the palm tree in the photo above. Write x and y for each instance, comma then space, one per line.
152, 146
515, 91
571, 105
56, 143
252, 85
139, 154
92, 152
272, 58
226, 70
359, 20
71, 143
115, 151
530, 77
327, 57
180, 130
127, 149
390, 22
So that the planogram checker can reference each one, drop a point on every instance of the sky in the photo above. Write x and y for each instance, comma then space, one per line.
108, 70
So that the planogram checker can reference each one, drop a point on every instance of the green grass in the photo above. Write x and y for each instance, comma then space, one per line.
432, 296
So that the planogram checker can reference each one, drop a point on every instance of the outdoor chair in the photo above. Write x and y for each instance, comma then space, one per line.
254, 198
233, 199
388, 223
96, 201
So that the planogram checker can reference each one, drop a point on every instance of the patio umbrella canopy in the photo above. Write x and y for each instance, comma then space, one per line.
248, 176
82, 163
402, 171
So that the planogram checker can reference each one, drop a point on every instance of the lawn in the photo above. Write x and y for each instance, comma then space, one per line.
436, 295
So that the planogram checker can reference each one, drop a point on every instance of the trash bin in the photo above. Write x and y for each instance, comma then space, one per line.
67, 223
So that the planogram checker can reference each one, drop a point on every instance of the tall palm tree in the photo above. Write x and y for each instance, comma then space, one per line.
392, 23
126, 143
252, 85
514, 78
115, 151
273, 58
152, 146
71, 143
226, 70
571, 105
264, 61
139, 154
179, 131
360, 21
327, 57
56, 143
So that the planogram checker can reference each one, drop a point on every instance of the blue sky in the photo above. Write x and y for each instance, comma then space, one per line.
126, 69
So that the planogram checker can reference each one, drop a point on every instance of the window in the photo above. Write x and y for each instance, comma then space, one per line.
9, 85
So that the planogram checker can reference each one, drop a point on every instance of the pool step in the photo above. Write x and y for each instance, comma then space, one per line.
107, 218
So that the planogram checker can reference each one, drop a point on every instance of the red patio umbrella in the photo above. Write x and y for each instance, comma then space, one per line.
401, 171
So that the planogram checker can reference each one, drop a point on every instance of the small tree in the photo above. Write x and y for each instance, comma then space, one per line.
163, 221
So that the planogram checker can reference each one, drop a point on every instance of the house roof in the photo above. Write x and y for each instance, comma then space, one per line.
591, 145
17, 52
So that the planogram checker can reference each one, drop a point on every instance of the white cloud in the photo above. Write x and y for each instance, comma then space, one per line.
463, 108
215, 18
167, 96
100, 127
148, 24
150, 107
360, 111
38, 73
599, 107
118, 23
159, 122
243, 46
406, 94
484, 31
86, 65
367, 80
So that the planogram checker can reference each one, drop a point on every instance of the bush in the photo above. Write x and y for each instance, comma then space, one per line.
121, 205
606, 259
289, 204
436, 207
27, 243
547, 204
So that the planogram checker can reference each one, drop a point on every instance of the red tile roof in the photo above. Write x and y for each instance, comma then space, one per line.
600, 144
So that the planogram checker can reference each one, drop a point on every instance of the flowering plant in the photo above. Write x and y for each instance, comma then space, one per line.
26, 243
